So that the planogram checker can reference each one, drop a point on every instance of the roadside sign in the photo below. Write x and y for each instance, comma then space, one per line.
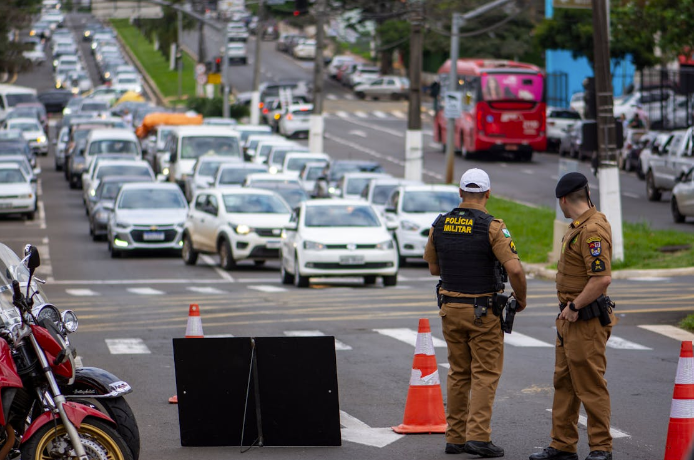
581, 4
453, 105
200, 69
214, 78
274, 2
201, 79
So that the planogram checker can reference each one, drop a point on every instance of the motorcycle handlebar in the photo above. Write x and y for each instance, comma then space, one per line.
17, 291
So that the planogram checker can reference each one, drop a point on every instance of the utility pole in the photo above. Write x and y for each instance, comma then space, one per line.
317, 124
179, 55
414, 159
255, 94
452, 87
225, 74
608, 174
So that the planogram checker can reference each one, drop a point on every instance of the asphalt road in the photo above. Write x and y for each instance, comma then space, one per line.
144, 299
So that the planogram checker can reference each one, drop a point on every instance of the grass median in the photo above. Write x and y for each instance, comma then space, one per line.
532, 232
155, 64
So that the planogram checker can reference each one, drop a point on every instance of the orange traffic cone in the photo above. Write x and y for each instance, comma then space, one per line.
193, 331
424, 407
681, 429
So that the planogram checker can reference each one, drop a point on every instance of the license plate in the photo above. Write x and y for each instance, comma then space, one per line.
512, 147
351, 260
273, 245
5, 205
153, 236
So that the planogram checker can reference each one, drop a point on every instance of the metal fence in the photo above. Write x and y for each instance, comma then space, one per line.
558, 89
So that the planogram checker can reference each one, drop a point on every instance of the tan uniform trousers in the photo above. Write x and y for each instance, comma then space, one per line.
579, 377
476, 358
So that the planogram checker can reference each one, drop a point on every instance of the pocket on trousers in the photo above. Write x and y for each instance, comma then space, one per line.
442, 311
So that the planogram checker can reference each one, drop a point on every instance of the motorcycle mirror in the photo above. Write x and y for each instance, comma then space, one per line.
32, 256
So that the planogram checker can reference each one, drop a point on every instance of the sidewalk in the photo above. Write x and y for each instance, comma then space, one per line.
541, 271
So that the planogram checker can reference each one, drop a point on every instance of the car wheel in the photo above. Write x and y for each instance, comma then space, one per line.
287, 278
189, 255
390, 280
226, 258
676, 215
360, 95
300, 281
652, 193
259, 263
639, 170
31, 215
369, 280
526, 156
115, 253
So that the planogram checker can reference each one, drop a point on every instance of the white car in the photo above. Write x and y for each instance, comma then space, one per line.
309, 173
237, 224
127, 82
236, 52
234, 175
414, 208
337, 238
378, 190
16, 193
577, 103
559, 122
204, 172
305, 50
264, 178
36, 56
336, 62
107, 168
32, 132
294, 162
147, 216
296, 121
275, 161
352, 184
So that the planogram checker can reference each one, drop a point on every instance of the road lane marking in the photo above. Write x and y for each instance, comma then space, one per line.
360, 114
206, 290
356, 431
358, 133
619, 343
332, 97
338, 345
258, 280
671, 332
127, 347
392, 132
379, 114
408, 336
218, 336
649, 278
445, 365
82, 292
144, 281
263, 288
516, 339
145, 291
342, 114
398, 114
220, 271
631, 195
350, 97
583, 421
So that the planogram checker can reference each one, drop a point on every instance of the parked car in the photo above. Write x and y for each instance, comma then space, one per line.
362, 73
306, 49
296, 121
17, 195
238, 224
391, 87
336, 62
634, 142
663, 171
682, 200
660, 145
337, 238
559, 122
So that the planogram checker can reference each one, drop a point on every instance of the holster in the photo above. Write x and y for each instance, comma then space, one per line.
599, 308
499, 303
439, 297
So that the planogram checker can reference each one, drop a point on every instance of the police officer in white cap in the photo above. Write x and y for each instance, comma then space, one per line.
474, 254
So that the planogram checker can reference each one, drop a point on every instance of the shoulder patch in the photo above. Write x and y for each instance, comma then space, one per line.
595, 249
597, 266
512, 245
506, 233
593, 239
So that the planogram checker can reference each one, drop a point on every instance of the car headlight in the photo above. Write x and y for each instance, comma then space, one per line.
165, 171
67, 111
107, 75
120, 224
313, 246
242, 229
87, 33
409, 226
273, 170
78, 166
41, 139
385, 245
92, 192
74, 90
55, 63
101, 215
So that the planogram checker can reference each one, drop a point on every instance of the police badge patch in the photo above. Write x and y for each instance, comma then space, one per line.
512, 245
595, 248
597, 266
507, 234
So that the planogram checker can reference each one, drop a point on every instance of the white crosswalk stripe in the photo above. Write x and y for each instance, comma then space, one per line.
619, 343
342, 114
516, 339
379, 114
360, 114
338, 345
127, 347
82, 292
671, 332
145, 291
264, 288
398, 114
332, 97
206, 290
408, 336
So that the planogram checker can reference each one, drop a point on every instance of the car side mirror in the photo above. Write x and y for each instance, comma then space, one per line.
80, 153
392, 225
108, 207
390, 210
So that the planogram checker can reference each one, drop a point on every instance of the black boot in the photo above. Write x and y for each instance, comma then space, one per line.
550, 453
599, 455
454, 448
483, 449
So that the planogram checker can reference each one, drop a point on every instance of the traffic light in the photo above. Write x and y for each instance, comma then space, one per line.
218, 64
208, 67
590, 110
300, 7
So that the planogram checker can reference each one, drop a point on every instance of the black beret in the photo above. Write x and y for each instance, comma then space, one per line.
570, 183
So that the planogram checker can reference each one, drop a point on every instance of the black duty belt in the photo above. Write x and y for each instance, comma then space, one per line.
486, 300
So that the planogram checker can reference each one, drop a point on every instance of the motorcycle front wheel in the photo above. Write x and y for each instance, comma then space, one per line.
119, 410
100, 440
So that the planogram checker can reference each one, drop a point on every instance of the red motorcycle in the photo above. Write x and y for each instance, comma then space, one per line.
36, 420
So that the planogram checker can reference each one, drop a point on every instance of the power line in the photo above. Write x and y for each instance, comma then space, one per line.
474, 33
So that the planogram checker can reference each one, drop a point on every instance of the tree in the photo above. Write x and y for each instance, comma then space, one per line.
166, 28
14, 15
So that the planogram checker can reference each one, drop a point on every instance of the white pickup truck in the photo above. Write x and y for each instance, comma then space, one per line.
664, 170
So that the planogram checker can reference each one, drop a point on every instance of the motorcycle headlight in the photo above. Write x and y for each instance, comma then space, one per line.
242, 229
313, 246
70, 321
385, 245
122, 224
409, 226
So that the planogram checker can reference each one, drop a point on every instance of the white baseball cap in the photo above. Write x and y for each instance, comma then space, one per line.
477, 177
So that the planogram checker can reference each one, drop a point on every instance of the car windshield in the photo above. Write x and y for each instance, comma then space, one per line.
294, 196
278, 157
314, 173
565, 114
297, 164
151, 199
341, 216
237, 176
381, 193
209, 168
339, 169
512, 86
123, 170
245, 134
110, 190
94, 106
11, 176
113, 146
195, 147
14, 99
255, 203
13, 147
25, 126
430, 201
356, 185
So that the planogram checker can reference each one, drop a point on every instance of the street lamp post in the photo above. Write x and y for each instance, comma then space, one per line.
317, 124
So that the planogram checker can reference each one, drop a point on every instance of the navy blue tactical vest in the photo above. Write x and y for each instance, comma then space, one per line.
466, 259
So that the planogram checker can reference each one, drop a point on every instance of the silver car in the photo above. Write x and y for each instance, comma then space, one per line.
682, 201
147, 216
390, 87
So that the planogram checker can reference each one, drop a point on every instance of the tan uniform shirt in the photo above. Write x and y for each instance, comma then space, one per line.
586, 251
499, 237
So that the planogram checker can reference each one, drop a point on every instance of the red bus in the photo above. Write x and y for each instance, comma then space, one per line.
504, 108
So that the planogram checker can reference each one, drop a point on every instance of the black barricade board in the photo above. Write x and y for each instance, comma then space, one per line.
297, 387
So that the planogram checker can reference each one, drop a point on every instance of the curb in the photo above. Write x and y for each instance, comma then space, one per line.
542, 272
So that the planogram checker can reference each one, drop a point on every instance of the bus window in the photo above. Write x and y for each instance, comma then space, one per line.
516, 86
